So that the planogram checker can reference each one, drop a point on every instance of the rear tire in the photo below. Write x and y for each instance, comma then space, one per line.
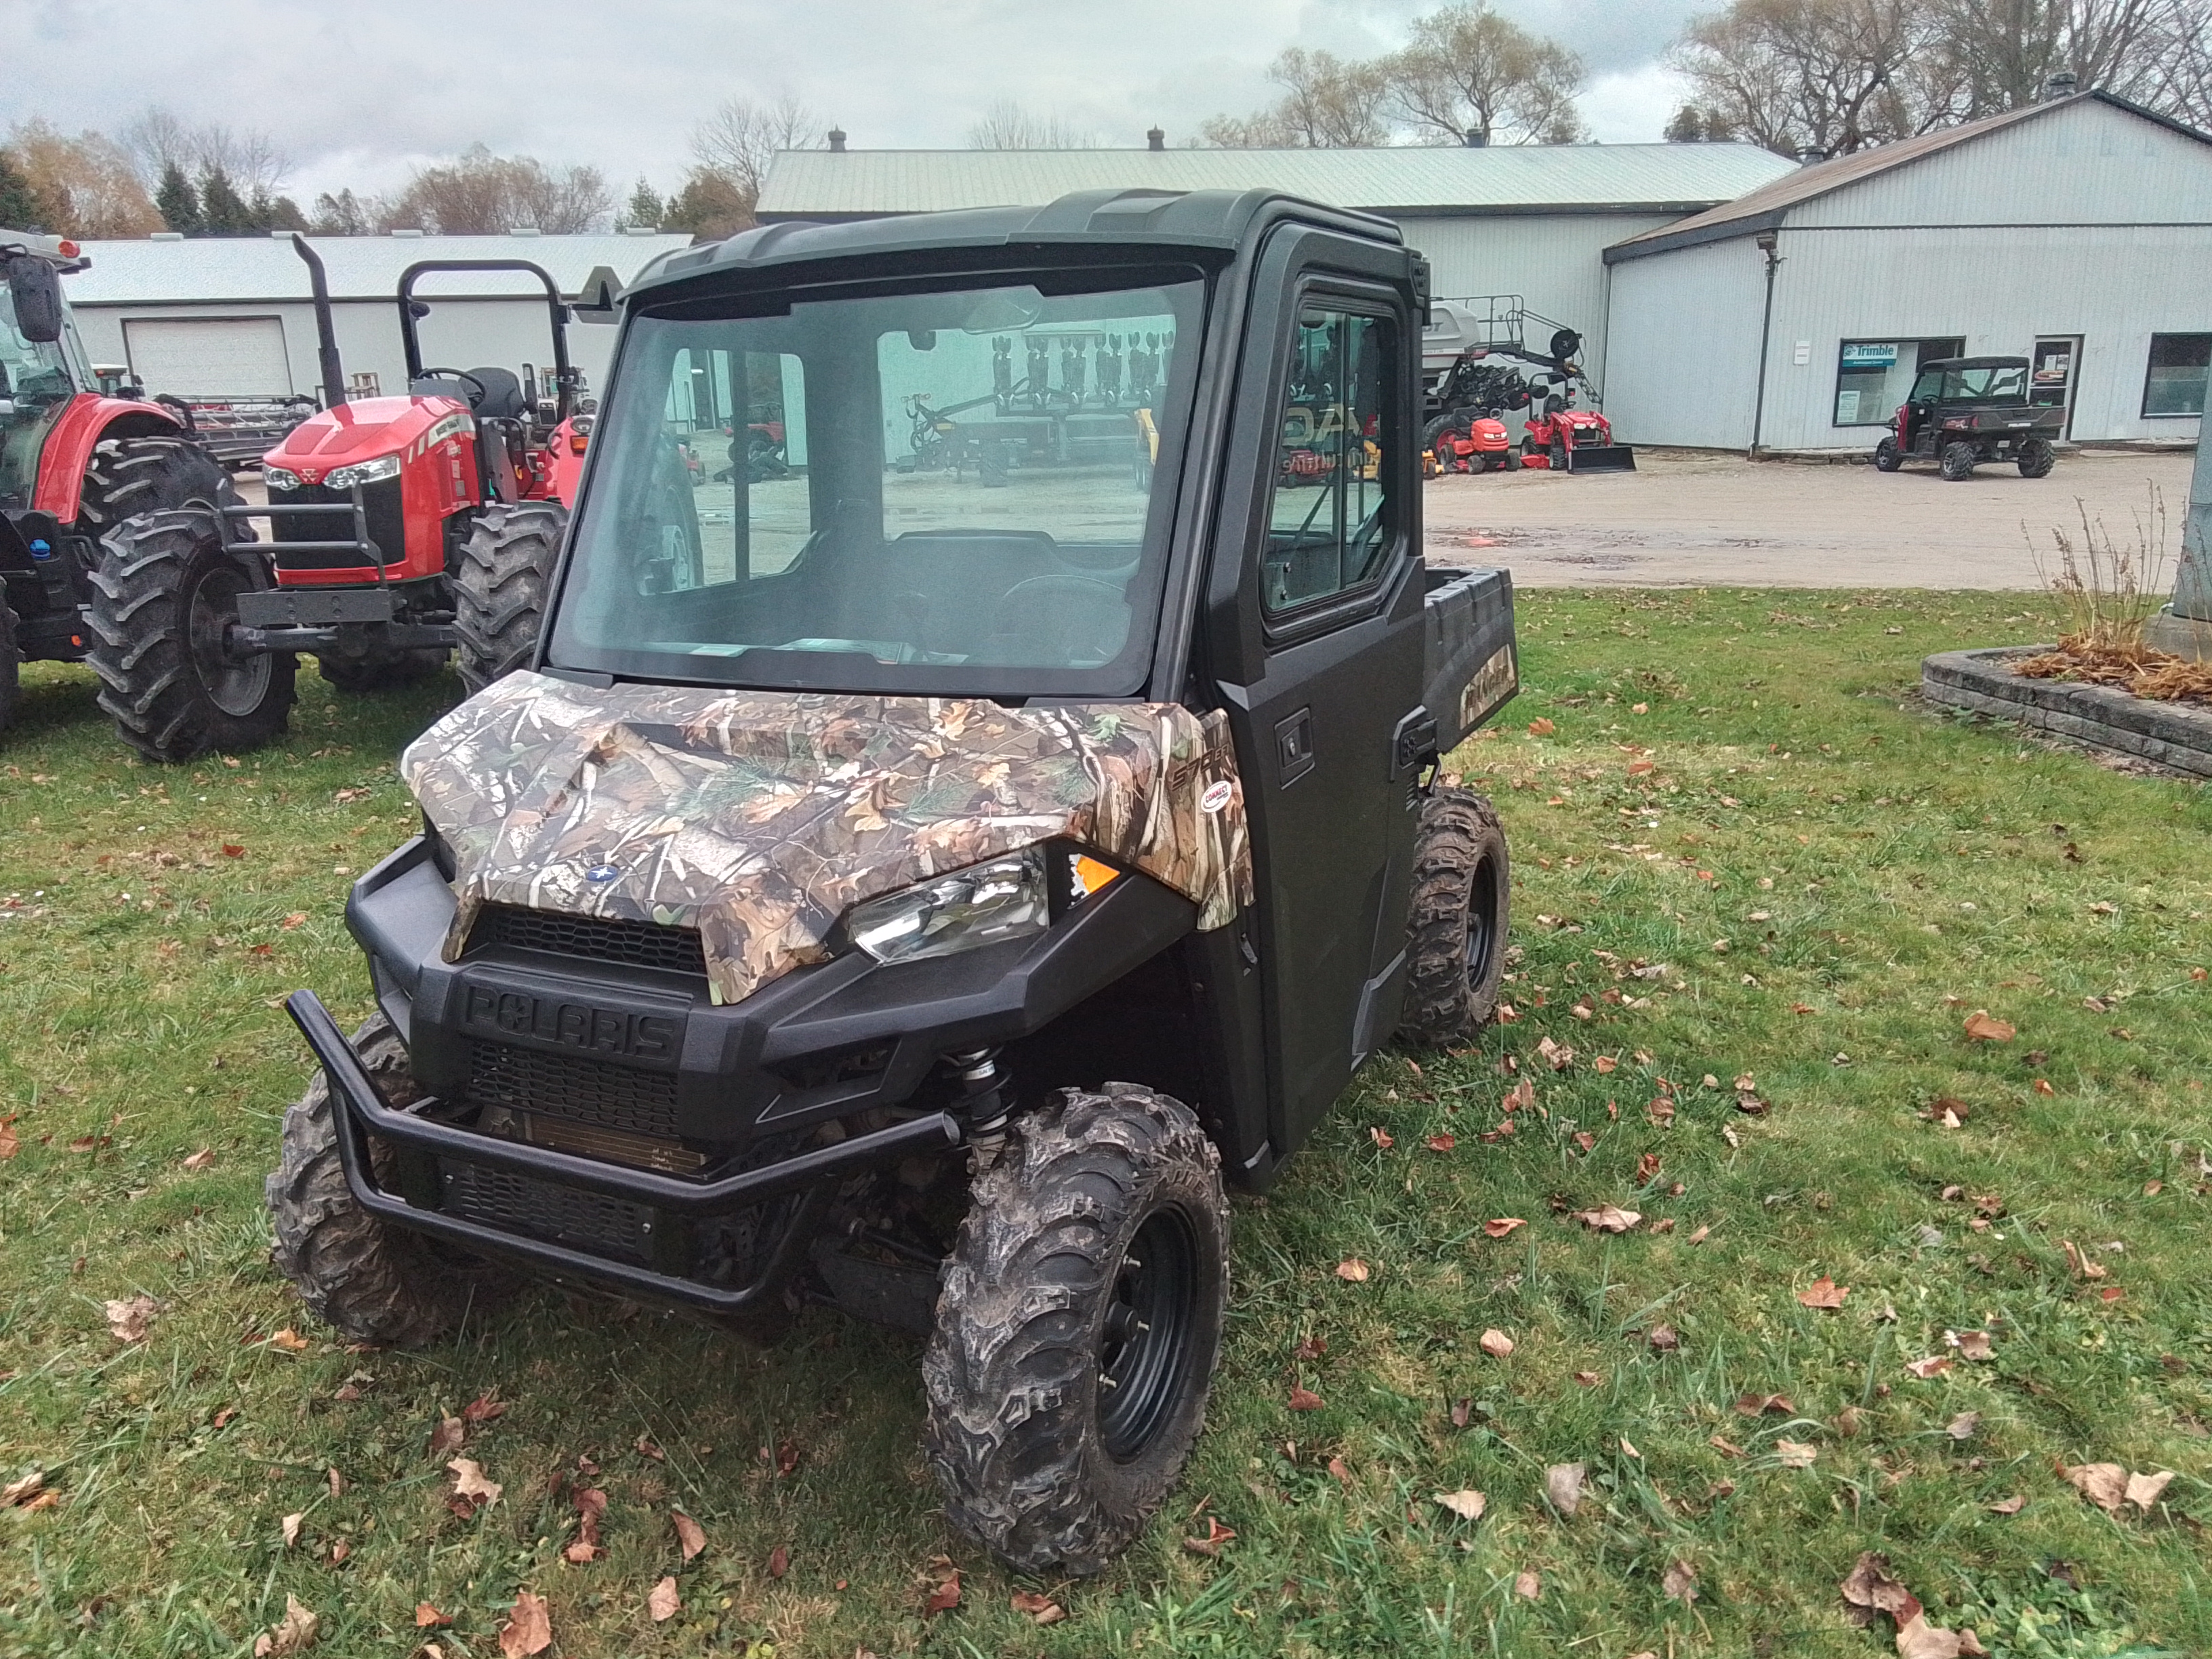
382, 670
2037, 458
371, 1281
130, 476
1957, 462
164, 594
1046, 1293
1462, 908
1887, 456
11, 665
499, 595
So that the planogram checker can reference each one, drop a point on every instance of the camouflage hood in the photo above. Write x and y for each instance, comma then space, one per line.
760, 817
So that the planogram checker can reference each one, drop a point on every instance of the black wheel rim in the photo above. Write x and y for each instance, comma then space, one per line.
235, 684
1144, 1344
1481, 921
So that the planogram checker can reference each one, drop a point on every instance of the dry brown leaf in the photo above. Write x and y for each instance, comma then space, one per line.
1918, 1639
2008, 1505
23, 1491
1381, 1138
290, 1340
1796, 1453
1868, 1588
1664, 1338
1589, 1379
1700, 1234
2104, 1485
1352, 1272
1527, 1586
1496, 1344
483, 1409
469, 1482
1962, 1426
292, 1525
528, 1629
1442, 1143
1340, 1472
1758, 1405
2143, 1490
1647, 1169
1680, 1582
662, 1602
1933, 1365
1467, 1503
429, 1618
778, 1561
1541, 728
1975, 1345
1609, 1219
1725, 1446
1303, 1399
449, 1435
691, 1537
1312, 1348
1499, 1226
201, 1159
128, 1321
1563, 1485
9, 1145
294, 1633
1824, 1293
1216, 1536
645, 1448
1041, 1608
1983, 1029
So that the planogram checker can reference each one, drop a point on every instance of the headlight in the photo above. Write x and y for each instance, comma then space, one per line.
365, 472
1000, 899
277, 478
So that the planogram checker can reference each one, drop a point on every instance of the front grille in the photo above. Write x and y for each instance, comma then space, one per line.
594, 939
584, 1091
544, 1209
380, 506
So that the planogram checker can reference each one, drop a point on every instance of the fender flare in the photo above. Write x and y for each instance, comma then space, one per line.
67, 449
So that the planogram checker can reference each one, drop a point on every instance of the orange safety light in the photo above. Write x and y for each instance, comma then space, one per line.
1091, 874
576, 442
69, 250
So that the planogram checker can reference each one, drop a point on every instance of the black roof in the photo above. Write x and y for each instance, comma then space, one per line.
1976, 362
1221, 220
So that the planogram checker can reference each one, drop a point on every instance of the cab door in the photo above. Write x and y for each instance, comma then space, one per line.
1315, 628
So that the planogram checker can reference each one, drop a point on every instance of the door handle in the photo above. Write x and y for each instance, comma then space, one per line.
1294, 747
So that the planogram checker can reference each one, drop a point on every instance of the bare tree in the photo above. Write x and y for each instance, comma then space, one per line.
2008, 50
1469, 71
737, 142
479, 193
84, 186
157, 138
1007, 126
2183, 53
1327, 103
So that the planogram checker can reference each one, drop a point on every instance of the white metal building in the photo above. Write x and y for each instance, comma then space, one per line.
231, 317
2076, 232
1526, 220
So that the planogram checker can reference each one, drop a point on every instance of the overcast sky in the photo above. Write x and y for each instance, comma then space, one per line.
360, 94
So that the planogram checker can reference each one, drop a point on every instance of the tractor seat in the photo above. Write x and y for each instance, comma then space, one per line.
504, 398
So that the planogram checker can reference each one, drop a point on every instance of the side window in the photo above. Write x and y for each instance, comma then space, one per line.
726, 499
1329, 523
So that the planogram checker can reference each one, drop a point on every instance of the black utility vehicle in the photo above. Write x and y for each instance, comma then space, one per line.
919, 900
1966, 410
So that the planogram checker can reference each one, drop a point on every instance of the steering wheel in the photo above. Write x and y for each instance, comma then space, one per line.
477, 393
1080, 617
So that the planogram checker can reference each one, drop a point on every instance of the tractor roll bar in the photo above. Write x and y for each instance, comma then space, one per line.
556, 312
327, 339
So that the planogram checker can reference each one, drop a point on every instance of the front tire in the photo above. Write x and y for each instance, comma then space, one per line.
1957, 462
372, 1282
1456, 934
1887, 457
1077, 1328
2037, 458
165, 595
499, 595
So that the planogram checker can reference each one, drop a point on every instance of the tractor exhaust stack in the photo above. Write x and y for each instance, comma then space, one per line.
327, 339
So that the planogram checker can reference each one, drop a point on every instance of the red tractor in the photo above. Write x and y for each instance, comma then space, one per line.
403, 528
1570, 439
75, 460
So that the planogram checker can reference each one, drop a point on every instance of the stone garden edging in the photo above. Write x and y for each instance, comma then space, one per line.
2176, 735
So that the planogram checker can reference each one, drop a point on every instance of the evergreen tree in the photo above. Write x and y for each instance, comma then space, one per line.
178, 203
340, 214
223, 211
266, 213
645, 211
19, 206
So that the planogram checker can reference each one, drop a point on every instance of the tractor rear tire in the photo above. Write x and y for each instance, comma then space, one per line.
1097, 1244
165, 593
11, 665
2037, 458
1887, 457
130, 476
1957, 462
1456, 934
498, 595
372, 1281
382, 670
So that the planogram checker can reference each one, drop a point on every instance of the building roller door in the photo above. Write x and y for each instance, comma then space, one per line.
219, 357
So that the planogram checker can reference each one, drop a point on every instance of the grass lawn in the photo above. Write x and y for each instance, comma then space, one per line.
1812, 882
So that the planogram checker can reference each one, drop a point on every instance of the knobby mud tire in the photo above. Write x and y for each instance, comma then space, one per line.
130, 476
1887, 457
2037, 458
1456, 932
159, 595
499, 592
1016, 1434
371, 1281
383, 671
1957, 462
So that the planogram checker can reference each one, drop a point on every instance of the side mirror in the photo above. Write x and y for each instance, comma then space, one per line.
38, 289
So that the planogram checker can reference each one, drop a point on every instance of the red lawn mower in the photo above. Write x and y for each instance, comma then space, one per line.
403, 528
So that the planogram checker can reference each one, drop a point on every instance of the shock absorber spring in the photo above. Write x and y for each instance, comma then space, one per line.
983, 1093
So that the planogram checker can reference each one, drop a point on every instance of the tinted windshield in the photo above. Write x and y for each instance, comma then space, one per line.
931, 493
34, 382
2002, 383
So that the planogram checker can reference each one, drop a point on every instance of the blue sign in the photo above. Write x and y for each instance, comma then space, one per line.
1877, 354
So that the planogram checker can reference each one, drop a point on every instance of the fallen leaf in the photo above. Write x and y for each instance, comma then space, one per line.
1701, 1235
1042, 1608
1680, 1582
1933, 1365
2152, 1188
2144, 1489
1467, 1503
1461, 1410
1589, 1379
1824, 1293
231, 849
483, 1409
1647, 1169
21, 1493
778, 1561
1725, 1447
1352, 1272
2008, 1505
1541, 728
1756, 1405
9, 1145
128, 1321
1982, 1029
1442, 1143
645, 1448
662, 1602
290, 1340
292, 1525
1918, 1639
1380, 1137
469, 1482
1304, 1400
201, 1159
448, 1435
1312, 1348
1496, 1344
528, 1629
1868, 1588
691, 1538
1609, 1219
1340, 1472
2044, 1088
429, 1618
1975, 1345
1962, 1426
1604, 1065
1527, 1586
1796, 1453
1216, 1536
2104, 1485
294, 1633
1498, 1227
1563, 1485
1664, 1338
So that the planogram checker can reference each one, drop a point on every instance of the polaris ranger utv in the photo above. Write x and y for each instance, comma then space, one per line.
922, 897
1966, 410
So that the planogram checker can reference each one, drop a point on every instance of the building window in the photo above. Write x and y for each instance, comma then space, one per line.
2179, 366
1872, 376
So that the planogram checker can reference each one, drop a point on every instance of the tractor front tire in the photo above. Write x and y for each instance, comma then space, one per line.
130, 476
371, 1281
1077, 1328
498, 595
1455, 933
164, 597
1957, 462
2037, 458
11, 665
379, 670
1887, 457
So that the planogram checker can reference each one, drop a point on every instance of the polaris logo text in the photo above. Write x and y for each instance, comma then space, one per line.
573, 1024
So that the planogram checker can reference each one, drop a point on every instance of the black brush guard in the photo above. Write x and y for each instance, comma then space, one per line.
317, 619
359, 1110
